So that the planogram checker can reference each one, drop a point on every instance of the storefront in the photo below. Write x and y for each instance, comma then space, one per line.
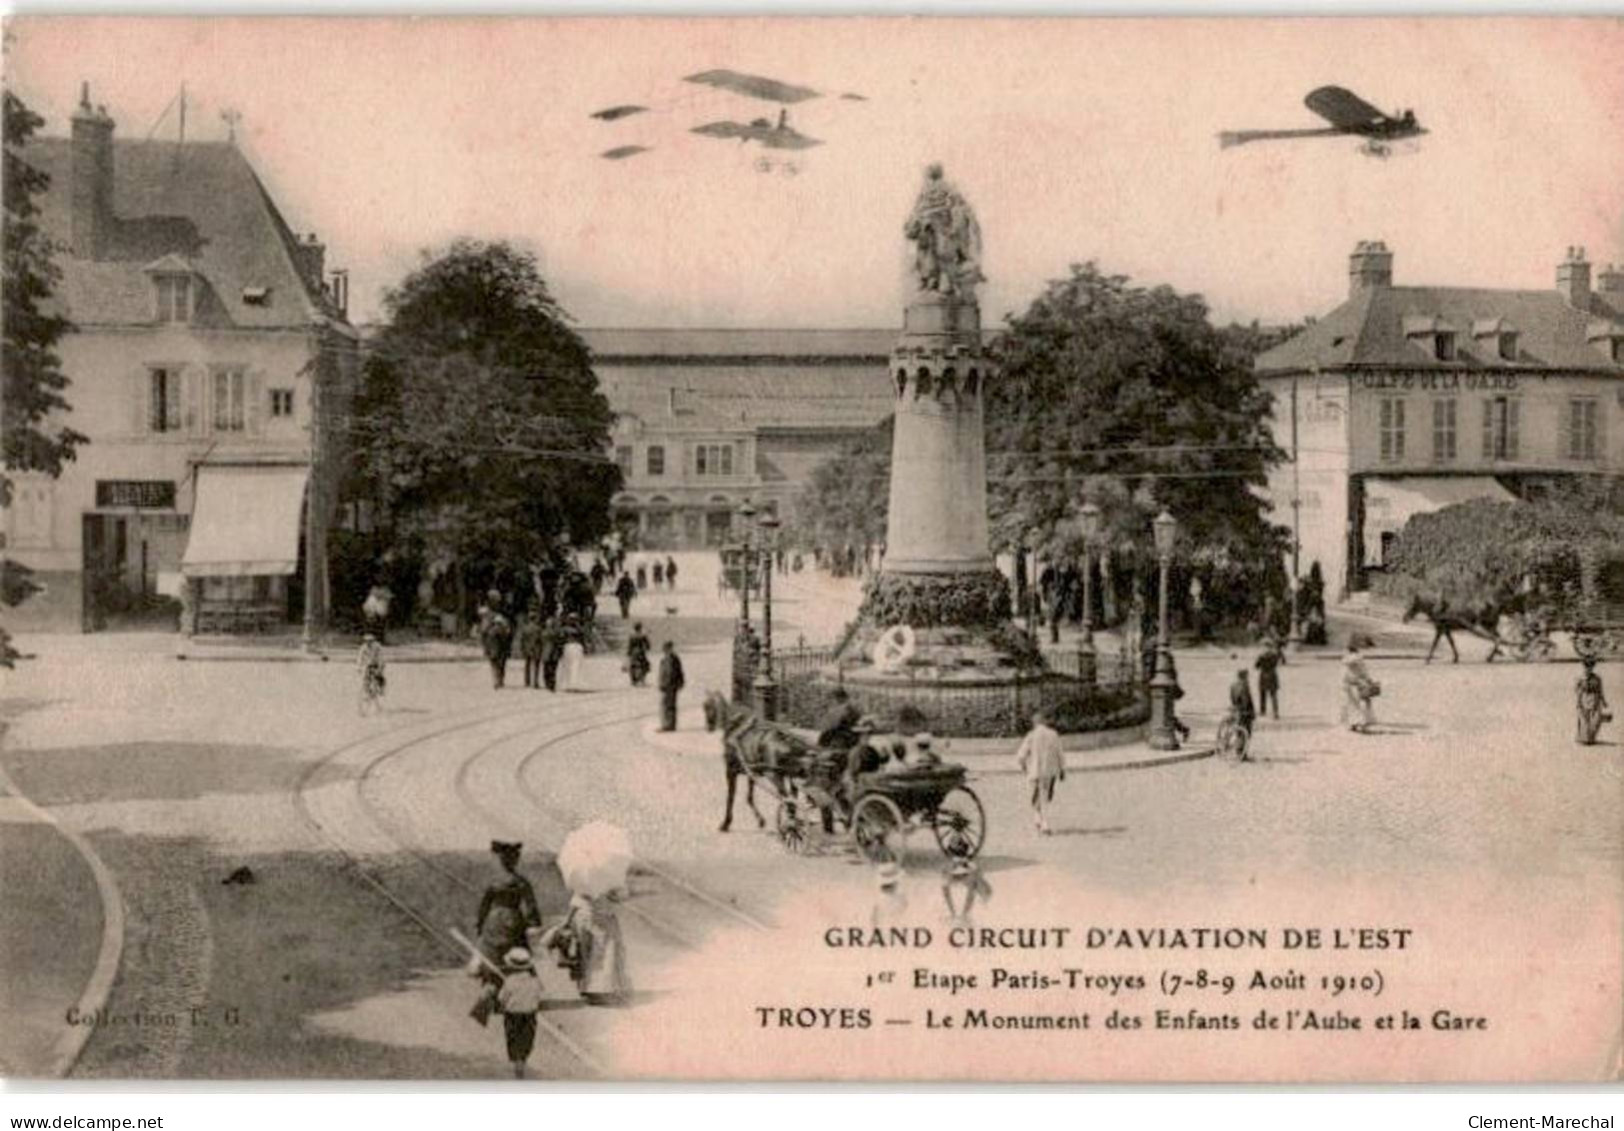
244, 547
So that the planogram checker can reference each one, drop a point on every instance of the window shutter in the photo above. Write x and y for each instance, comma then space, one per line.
254, 395
195, 423
687, 461
138, 402
1512, 405
1488, 428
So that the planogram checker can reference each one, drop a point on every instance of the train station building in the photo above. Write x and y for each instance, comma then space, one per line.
1405, 399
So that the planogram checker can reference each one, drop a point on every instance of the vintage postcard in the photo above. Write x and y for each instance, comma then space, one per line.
851, 549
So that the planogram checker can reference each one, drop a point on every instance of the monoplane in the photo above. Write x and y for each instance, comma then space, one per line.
1349, 115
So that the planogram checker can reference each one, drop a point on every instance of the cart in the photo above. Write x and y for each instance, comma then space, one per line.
885, 808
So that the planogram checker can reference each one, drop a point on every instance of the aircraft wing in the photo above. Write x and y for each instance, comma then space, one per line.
723, 130
1343, 109
753, 86
615, 113
773, 137
621, 152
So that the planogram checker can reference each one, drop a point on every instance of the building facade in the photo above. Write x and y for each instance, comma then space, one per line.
1406, 399
208, 341
708, 419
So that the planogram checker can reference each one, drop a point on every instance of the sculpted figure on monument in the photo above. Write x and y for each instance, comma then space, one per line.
946, 238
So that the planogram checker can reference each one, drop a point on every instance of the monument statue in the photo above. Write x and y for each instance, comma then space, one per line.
946, 238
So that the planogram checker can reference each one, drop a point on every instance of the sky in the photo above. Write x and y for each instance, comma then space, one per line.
1074, 140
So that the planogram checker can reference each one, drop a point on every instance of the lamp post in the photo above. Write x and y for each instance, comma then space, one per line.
766, 687
1087, 660
1163, 684
746, 559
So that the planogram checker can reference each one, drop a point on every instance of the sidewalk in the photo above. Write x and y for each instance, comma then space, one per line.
63, 924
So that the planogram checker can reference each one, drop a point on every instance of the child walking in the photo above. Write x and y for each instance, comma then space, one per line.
1040, 758
519, 998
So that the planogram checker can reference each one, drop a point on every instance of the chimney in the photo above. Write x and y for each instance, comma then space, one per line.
1370, 265
1610, 281
1573, 279
313, 261
92, 171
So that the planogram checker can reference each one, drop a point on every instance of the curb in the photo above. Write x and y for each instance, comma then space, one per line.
99, 987
315, 658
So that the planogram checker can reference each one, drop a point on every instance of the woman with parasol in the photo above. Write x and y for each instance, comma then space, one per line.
593, 861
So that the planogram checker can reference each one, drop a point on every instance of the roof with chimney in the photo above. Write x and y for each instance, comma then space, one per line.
195, 206
1384, 326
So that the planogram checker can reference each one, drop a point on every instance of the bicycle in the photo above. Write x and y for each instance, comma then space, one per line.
1234, 739
372, 689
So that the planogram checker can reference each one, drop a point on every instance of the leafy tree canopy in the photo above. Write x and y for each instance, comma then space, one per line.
846, 501
35, 438
480, 425
1129, 397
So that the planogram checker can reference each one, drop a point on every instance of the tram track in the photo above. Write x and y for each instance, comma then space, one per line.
386, 855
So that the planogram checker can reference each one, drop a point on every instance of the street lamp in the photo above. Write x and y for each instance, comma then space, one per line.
1087, 661
746, 559
766, 687
1163, 684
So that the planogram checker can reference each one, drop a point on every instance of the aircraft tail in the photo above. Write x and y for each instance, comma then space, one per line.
1230, 138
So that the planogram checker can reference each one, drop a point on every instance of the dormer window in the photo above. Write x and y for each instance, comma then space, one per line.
1607, 336
174, 297
1432, 334
1508, 346
1494, 337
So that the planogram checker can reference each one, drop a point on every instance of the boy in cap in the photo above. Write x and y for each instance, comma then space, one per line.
519, 999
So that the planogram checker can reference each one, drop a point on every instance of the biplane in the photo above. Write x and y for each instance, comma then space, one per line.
1349, 115
767, 133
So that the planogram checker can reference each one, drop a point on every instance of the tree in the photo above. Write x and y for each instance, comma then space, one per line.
1130, 398
480, 427
35, 438
845, 503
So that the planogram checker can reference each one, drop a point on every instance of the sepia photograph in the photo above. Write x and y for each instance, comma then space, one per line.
862, 549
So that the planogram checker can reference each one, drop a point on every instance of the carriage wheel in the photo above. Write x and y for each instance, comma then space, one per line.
788, 825
875, 823
1233, 739
960, 824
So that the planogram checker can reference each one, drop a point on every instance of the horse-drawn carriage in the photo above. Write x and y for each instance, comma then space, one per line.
817, 796
736, 571
1598, 628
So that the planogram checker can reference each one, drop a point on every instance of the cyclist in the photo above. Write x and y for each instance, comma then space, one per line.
1242, 713
369, 661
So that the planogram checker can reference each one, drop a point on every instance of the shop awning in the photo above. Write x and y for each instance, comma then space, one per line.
245, 521
1390, 503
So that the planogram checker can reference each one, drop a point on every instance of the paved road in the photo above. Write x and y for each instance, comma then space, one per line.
1472, 788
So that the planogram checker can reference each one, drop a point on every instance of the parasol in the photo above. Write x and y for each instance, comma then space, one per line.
594, 859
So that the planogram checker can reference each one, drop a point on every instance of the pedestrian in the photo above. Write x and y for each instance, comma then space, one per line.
591, 938
671, 571
531, 646
1358, 689
1040, 758
597, 574
837, 736
637, 650
569, 667
552, 652
369, 662
1592, 703
375, 610
518, 1000
507, 909
642, 576
659, 573
671, 682
1268, 665
1241, 706
496, 639
625, 590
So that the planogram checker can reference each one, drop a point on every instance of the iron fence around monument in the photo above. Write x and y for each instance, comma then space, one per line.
808, 676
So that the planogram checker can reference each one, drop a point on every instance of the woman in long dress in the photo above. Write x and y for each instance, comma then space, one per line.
569, 670
603, 950
1356, 690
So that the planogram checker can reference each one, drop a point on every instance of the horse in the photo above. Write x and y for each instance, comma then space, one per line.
753, 747
1480, 619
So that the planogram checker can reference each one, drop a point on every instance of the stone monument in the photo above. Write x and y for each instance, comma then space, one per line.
937, 617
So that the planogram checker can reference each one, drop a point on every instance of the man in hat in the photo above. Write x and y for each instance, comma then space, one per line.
671, 682
495, 638
519, 999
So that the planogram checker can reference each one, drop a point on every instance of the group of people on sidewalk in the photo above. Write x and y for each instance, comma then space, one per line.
587, 943
552, 649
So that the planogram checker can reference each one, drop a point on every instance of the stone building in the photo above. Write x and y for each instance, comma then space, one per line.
205, 332
710, 418
1406, 399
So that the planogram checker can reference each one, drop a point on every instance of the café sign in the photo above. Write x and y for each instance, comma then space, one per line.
1441, 382
143, 494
